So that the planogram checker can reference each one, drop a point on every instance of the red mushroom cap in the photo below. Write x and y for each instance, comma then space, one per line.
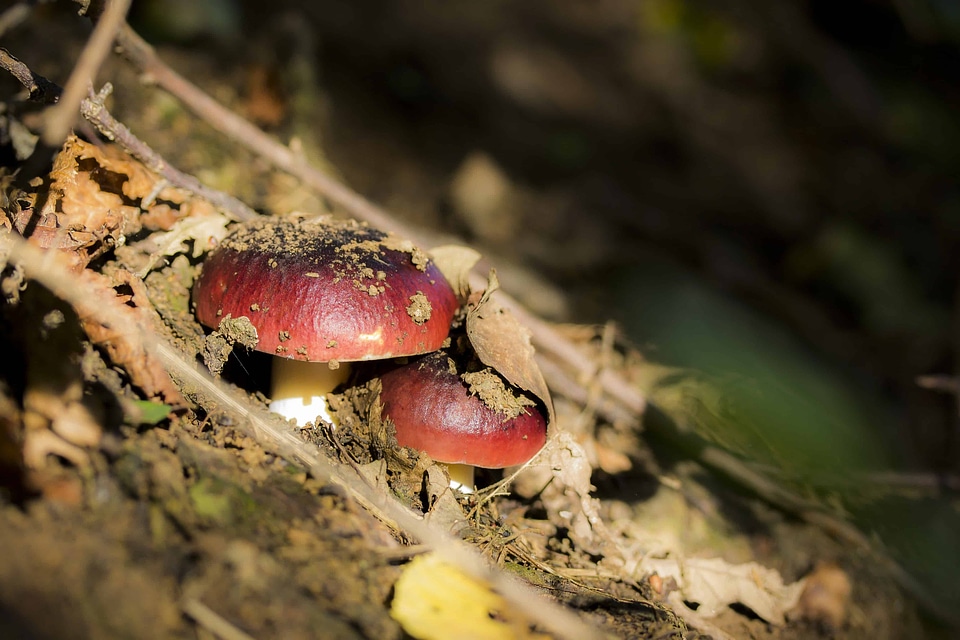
434, 411
321, 290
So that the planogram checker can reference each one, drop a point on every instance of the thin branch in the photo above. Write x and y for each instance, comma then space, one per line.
13, 16
39, 88
59, 119
212, 621
94, 111
49, 269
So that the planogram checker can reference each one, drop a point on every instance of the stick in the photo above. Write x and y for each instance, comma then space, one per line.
39, 88
94, 111
59, 119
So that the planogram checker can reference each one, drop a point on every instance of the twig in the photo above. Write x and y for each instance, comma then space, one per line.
13, 16
59, 119
141, 54
39, 88
48, 268
94, 111
212, 621
544, 337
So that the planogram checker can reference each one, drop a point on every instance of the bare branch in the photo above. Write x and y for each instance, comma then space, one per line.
13, 16
40, 89
93, 109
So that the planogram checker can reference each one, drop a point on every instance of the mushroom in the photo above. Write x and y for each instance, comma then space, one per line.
463, 420
321, 292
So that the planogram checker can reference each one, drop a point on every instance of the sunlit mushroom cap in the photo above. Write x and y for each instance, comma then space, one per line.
319, 289
434, 411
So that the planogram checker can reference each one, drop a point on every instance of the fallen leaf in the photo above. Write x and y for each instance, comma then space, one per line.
826, 596
567, 497
445, 511
455, 263
503, 344
434, 600
715, 584
79, 207
194, 235
128, 350
151, 412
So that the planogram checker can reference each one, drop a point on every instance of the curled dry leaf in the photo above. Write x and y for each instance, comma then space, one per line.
715, 584
567, 496
503, 344
125, 349
195, 234
825, 600
455, 263
96, 196
80, 208
58, 417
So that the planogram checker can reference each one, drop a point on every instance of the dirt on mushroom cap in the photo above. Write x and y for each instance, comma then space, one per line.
335, 290
434, 411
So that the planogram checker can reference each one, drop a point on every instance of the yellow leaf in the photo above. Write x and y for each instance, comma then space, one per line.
435, 600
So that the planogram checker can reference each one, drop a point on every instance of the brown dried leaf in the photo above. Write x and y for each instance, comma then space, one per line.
503, 344
715, 584
455, 263
128, 350
568, 500
79, 208
137, 182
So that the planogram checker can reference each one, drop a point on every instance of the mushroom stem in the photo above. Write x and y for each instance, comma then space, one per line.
461, 477
299, 389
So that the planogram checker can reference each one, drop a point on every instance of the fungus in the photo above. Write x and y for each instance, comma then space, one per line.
460, 419
322, 293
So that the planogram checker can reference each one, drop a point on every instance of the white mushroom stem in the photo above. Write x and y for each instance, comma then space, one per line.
461, 477
299, 389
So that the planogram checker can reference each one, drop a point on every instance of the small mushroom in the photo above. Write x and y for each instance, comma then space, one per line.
321, 293
455, 419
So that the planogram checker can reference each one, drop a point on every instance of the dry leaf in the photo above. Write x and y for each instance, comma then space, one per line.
79, 207
434, 600
128, 350
58, 416
503, 344
194, 234
715, 584
445, 511
455, 263
567, 497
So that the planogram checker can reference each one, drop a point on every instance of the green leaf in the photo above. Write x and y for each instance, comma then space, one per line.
150, 412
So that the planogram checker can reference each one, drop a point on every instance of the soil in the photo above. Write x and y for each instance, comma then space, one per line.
173, 522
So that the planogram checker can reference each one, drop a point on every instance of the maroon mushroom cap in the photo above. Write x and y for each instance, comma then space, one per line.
321, 289
434, 411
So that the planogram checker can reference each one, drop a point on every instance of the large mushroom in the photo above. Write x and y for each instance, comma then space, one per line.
465, 420
320, 293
